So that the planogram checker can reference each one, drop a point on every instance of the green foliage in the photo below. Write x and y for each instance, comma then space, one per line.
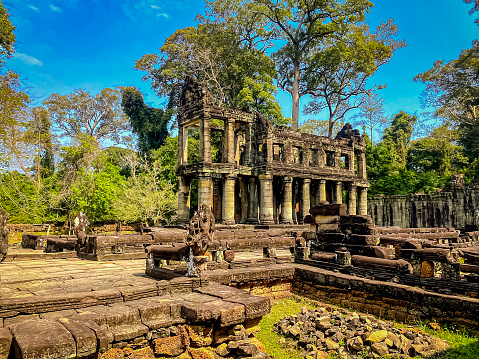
147, 196
235, 74
319, 127
148, 123
166, 157
398, 136
79, 113
94, 192
437, 152
453, 88
7, 35
338, 68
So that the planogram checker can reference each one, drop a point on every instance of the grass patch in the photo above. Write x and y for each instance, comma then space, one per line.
270, 338
464, 345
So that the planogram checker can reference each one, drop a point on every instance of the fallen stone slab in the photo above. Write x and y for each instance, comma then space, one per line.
255, 307
45, 339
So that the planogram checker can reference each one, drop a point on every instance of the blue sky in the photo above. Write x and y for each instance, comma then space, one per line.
63, 45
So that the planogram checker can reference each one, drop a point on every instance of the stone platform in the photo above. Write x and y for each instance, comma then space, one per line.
88, 307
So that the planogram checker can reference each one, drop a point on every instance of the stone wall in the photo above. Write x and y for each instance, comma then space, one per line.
455, 206
384, 299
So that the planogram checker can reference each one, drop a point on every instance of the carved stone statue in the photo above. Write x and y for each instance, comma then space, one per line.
201, 230
79, 225
3, 234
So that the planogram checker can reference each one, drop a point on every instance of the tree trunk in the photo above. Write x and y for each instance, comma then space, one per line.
295, 96
330, 129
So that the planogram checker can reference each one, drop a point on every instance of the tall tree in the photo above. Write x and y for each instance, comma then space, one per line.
298, 27
398, 136
453, 89
148, 123
371, 114
38, 134
79, 113
339, 69
234, 73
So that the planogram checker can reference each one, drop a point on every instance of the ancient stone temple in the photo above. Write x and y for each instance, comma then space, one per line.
249, 171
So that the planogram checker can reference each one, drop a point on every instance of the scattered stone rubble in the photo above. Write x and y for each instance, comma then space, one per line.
321, 332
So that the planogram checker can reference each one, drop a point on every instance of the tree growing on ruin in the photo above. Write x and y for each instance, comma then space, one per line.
297, 29
235, 74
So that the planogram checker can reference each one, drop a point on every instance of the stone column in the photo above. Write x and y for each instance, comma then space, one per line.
205, 140
363, 201
287, 208
322, 190
181, 147
266, 199
229, 142
204, 189
252, 202
352, 199
248, 149
306, 199
338, 192
228, 204
183, 200
362, 165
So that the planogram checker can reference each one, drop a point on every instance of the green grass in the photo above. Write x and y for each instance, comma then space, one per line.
270, 338
464, 345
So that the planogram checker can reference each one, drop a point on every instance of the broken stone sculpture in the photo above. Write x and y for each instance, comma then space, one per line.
79, 225
201, 230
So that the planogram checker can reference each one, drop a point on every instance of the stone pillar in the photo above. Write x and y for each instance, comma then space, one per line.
248, 144
204, 189
322, 190
287, 208
306, 199
338, 192
243, 199
229, 142
228, 204
352, 199
266, 199
183, 200
362, 165
205, 140
181, 147
363, 201
252, 202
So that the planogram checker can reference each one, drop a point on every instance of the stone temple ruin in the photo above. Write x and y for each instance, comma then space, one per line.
262, 174
270, 223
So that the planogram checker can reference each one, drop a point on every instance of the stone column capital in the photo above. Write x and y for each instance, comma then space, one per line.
287, 179
265, 177
306, 180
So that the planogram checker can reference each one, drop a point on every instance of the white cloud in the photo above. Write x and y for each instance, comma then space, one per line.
27, 59
137, 8
34, 8
55, 8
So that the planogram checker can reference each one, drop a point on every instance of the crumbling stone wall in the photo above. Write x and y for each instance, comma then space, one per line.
455, 206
